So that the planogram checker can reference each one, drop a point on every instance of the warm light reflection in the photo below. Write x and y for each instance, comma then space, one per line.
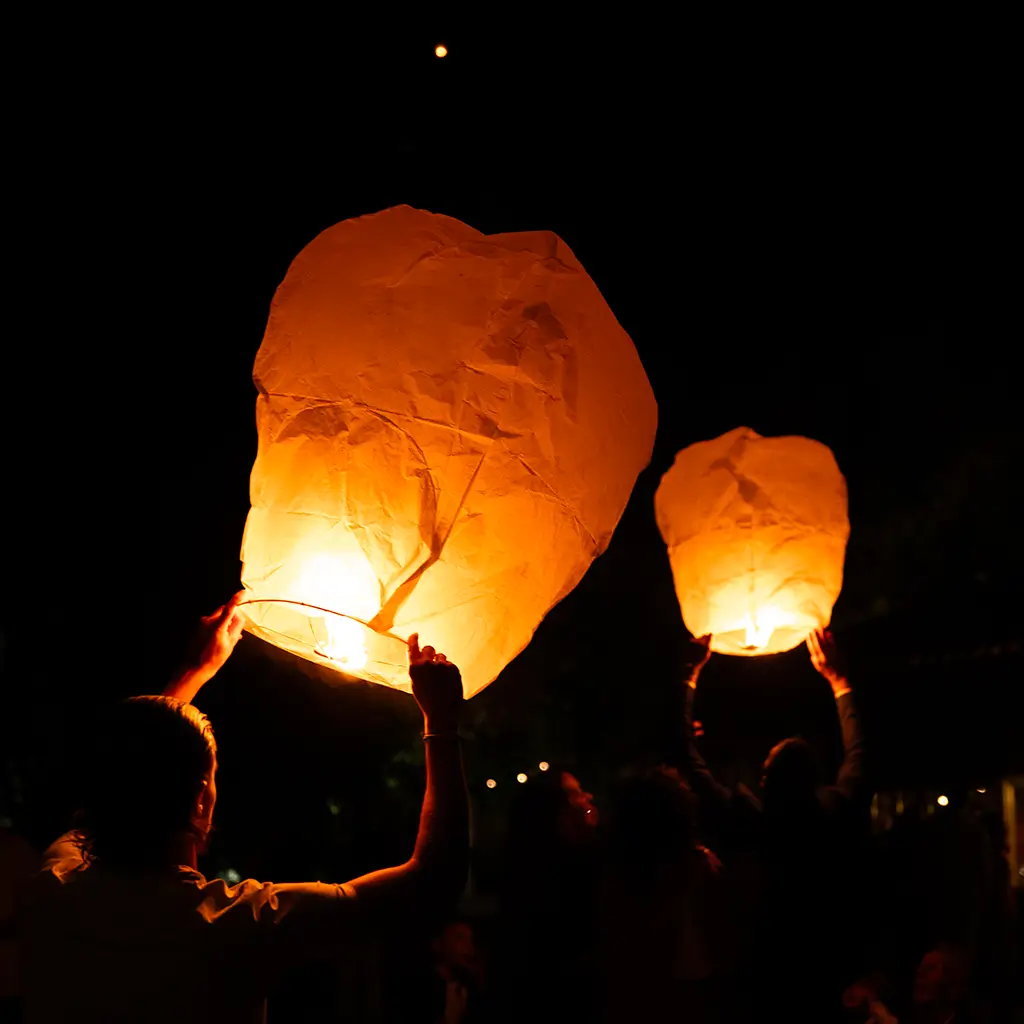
982, 789
543, 766
521, 777
942, 801
441, 50
339, 583
491, 783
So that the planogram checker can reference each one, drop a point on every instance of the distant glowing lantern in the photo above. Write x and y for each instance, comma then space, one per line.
943, 801
756, 529
521, 777
491, 784
441, 50
543, 766
450, 425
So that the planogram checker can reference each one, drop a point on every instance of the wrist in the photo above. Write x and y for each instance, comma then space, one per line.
840, 687
441, 725
187, 683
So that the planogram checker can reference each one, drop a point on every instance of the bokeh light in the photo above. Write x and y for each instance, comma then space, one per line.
491, 783
440, 50
521, 777
943, 801
543, 766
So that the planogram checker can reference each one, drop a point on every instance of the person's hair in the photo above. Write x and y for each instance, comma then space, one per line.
149, 760
790, 773
956, 971
654, 819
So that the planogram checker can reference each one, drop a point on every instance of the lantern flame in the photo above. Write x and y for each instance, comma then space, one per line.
759, 627
344, 644
329, 582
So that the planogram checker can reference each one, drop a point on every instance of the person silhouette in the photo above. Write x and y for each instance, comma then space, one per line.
120, 924
801, 829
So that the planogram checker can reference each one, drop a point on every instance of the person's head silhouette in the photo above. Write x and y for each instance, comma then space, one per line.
789, 777
149, 788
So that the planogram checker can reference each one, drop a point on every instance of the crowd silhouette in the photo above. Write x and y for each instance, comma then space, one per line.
683, 900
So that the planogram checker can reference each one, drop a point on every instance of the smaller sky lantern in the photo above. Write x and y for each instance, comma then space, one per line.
756, 529
440, 50
450, 425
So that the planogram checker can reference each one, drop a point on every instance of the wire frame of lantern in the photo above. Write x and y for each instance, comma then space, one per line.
339, 641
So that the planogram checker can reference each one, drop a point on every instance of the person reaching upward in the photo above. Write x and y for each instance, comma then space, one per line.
120, 924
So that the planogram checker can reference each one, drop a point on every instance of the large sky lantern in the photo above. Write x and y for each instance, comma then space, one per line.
450, 425
756, 529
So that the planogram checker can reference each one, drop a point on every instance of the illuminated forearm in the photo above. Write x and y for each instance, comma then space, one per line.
185, 686
851, 773
435, 875
442, 843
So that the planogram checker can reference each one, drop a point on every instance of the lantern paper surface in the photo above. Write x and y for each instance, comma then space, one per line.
450, 425
756, 529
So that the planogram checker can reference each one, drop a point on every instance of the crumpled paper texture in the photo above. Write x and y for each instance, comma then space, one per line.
756, 529
450, 425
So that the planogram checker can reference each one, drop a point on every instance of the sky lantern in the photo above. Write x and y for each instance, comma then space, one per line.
450, 425
756, 529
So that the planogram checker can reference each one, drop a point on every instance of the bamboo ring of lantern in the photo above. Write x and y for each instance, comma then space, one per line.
756, 529
450, 425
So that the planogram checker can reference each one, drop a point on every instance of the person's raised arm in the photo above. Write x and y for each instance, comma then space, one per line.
704, 784
218, 635
436, 873
825, 659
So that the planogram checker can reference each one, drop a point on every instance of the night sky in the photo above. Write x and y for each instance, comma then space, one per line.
777, 231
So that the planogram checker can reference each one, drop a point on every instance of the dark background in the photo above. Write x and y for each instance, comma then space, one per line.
795, 223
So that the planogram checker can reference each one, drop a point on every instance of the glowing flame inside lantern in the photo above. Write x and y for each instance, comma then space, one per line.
344, 643
329, 582
759, 627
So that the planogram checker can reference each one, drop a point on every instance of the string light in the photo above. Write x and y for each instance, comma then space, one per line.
942, 801
491, 783
544, 766
440, 50
521, 777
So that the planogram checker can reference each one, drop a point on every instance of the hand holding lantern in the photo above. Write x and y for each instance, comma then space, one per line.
697, 655
437, 687
825, 659
218, 634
